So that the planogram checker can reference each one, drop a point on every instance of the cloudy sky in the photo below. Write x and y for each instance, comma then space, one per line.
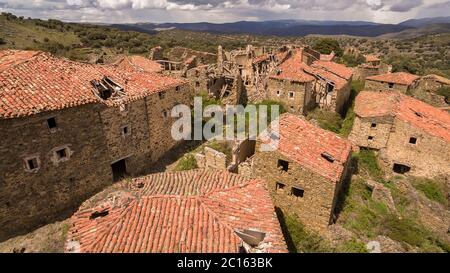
131, 11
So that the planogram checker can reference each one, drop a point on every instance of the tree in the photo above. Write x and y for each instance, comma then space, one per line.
327, 45
2, 41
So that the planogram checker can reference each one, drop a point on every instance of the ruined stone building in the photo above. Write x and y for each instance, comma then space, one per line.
427, 88
303, 82
400, 81
182, 212
372, 66
306, 171
69, 129
411, 136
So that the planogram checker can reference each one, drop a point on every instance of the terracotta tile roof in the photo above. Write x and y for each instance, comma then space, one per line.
138, 64
335, 68
261, 58
293, 69
432, 120
437, 78
183, 212
371, 58
402, 78
37, 82
338, 82
307, 144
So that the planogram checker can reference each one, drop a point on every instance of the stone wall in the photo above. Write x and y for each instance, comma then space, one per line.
302, 100
315, 209
341, 98
372, 133
132, 145
429, 157
211, 159
382, 86
159, 107
30, 198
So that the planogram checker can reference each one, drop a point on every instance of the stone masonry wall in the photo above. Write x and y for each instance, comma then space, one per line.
160, 121
29, 199
429, 157
295, 105
134, 146
379, 86
376, 128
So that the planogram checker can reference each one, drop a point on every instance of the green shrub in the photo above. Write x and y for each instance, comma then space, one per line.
327, 45
188, 162
2, 41
445, 92
433, 190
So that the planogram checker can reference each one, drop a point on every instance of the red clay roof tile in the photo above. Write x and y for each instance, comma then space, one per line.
434, 121
305, 143
293, 69
34, 82
402, 78
193, 211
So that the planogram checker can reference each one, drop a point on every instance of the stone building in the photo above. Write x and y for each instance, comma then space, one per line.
306, 171
303, 82
400, 81
182, 212
69, 129
372, 66
411, 136
427, 88
292, 86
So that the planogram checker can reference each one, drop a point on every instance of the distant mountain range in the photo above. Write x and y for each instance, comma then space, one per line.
293, 27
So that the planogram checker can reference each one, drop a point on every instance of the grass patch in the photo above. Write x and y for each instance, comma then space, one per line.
220, 147
301, 240
352, 246
433, 190
188, 162
326, 120
367, 163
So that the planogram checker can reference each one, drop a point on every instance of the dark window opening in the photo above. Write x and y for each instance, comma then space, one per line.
162, 95
373, 125
125, 131
283, 164
328, 157
291, 95
61, 153
297, 192
177, 88
197, 84
98, 214
32, 164
413, 140
51, 122
280, 186
119, 170
140, 185
400, 168
370, 138
391, 85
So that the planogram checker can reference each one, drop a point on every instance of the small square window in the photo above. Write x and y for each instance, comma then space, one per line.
278, 93
413, 140
370, 138
61, 153
197, 84
32, 164
165, 113
280, 186
373, 125
291, 95
51, 122
126, 131
297, 192
391, 85
177, 88
284, 165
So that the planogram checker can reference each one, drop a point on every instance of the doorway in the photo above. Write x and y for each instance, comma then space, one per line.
400, 168
119, 170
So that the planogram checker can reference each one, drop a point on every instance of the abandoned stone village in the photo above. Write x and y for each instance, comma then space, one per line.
82, 140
